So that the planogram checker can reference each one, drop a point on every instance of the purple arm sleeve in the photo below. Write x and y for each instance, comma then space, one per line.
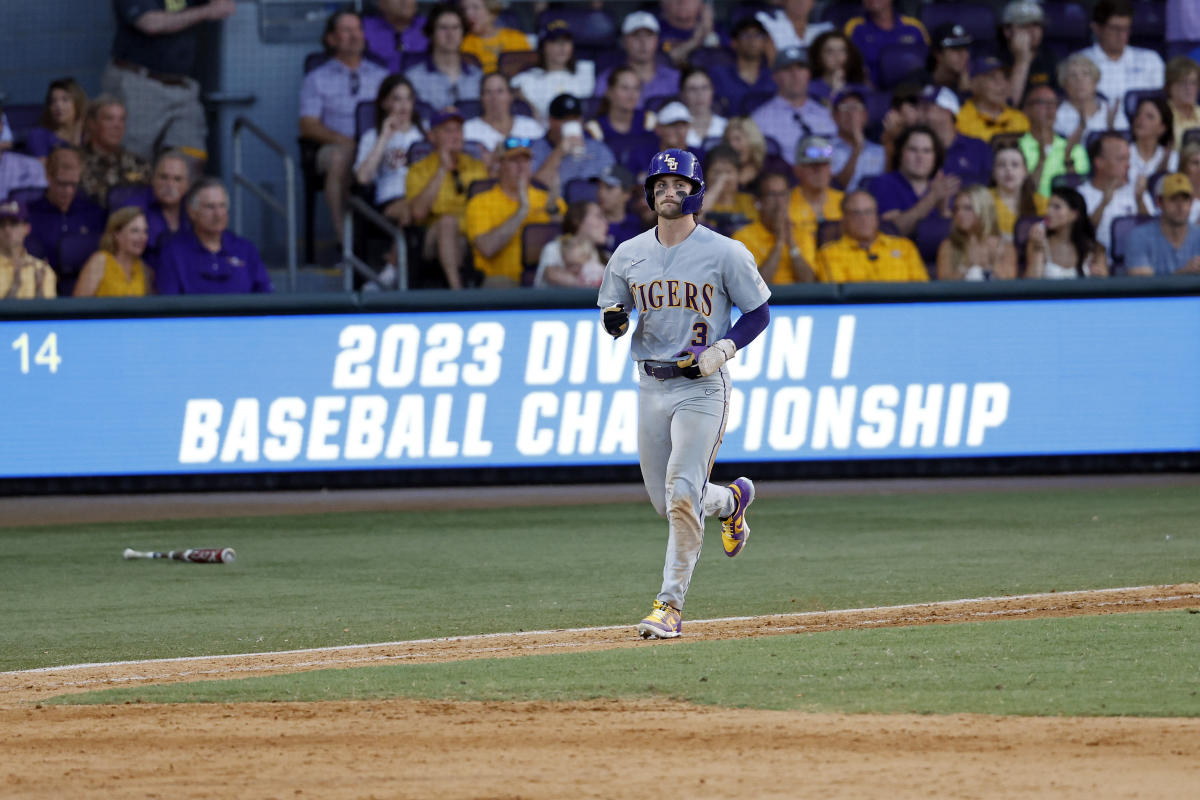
749, 326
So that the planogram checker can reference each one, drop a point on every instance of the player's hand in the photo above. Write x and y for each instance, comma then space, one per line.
700, 362
616, 320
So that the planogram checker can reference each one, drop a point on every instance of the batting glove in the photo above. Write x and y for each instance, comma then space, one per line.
688, 363
713, 358
616, 320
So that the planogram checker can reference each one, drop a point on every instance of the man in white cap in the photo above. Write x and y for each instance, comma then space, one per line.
791, 114
639, 39
967, 157
671, 126
1023, 25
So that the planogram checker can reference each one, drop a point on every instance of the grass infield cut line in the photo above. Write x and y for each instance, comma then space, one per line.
930, 613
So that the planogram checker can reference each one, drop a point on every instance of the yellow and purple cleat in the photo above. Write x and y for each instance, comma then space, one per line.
663, 622
735, 530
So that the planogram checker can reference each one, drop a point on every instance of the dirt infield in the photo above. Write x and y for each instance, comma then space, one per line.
610, 749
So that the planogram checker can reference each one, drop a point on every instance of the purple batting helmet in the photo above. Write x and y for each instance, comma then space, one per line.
683, 164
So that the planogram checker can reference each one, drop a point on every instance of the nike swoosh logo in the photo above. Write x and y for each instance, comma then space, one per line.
636, 261
710, 391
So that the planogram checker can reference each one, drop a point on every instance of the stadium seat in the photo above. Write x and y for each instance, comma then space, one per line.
929, 235
592, 28
22, 118
129, 194
898, 61
839, 12
655, 102
979, 19
1121, 227
1149, 25
74, 249
828, 230
579, 190
534, 237
1069, 21
364, 118
514, 63
469, 108
480, 186
1135, 96
1191, 136
26, 194
418, 150
1068, 180
751, 101
1021, 238
708, 57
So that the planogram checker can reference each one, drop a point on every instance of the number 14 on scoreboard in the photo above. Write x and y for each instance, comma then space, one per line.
45, 356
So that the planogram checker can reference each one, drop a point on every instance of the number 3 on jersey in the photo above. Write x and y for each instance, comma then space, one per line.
700, 339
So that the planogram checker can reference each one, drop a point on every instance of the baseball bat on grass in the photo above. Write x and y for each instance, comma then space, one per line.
196, 555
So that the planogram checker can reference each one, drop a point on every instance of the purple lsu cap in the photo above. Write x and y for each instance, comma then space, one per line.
444, 115
13, 209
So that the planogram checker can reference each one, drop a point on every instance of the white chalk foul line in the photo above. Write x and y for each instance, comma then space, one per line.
797, 617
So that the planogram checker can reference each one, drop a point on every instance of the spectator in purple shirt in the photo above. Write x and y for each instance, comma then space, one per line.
63, 211
880, 26
614, 189
791, 114
684, 27
639, 39
444, 77
395, 30
916, 187
208, 259
967, 157
62, 117
328, 98
750, 73
165, 215
621, 125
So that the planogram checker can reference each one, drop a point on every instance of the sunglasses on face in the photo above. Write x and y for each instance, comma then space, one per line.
514, 142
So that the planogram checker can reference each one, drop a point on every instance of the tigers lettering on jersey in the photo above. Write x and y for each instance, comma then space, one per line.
673, 294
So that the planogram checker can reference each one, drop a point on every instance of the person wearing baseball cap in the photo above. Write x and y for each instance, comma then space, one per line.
967, 157
791, 114
949, 58
437, 191
671, 125
988, 112
496, 218
1169, 245
558, 71
750, 71
1022, 24
22, 277
814, 200
639, 40
567, 152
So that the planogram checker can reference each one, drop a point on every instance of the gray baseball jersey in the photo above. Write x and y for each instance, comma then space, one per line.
683, 294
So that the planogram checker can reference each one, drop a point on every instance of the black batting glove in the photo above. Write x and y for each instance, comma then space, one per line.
616, 320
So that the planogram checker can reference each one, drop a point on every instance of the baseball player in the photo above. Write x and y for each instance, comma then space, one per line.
683, 279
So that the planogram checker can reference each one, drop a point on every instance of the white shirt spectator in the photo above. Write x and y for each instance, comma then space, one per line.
1159, 162
592, 272
783, 33
1137, 68
539, 87
476, 130
716, 128
392, 173
1123, 204
1067, 118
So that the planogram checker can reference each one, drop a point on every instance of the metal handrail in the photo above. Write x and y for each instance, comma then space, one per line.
286, 208
352, 263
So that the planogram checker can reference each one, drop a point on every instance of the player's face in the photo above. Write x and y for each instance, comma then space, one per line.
669, 192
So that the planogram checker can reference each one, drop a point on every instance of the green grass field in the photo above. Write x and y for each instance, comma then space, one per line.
310, 581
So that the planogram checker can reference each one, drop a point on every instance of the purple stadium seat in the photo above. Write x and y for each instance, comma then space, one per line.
1068, 20
364, 118
979, 19
74, 249
898, 61
129, 194
579, 190
1121, 226
1135, 96
534, 237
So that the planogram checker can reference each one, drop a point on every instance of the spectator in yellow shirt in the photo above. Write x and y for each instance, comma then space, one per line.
865, 254
813, 201
487, 40
771, 238
988, 113
496, 218
437, 188
22, 276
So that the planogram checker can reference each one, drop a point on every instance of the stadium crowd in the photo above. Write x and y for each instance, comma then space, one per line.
849, 142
